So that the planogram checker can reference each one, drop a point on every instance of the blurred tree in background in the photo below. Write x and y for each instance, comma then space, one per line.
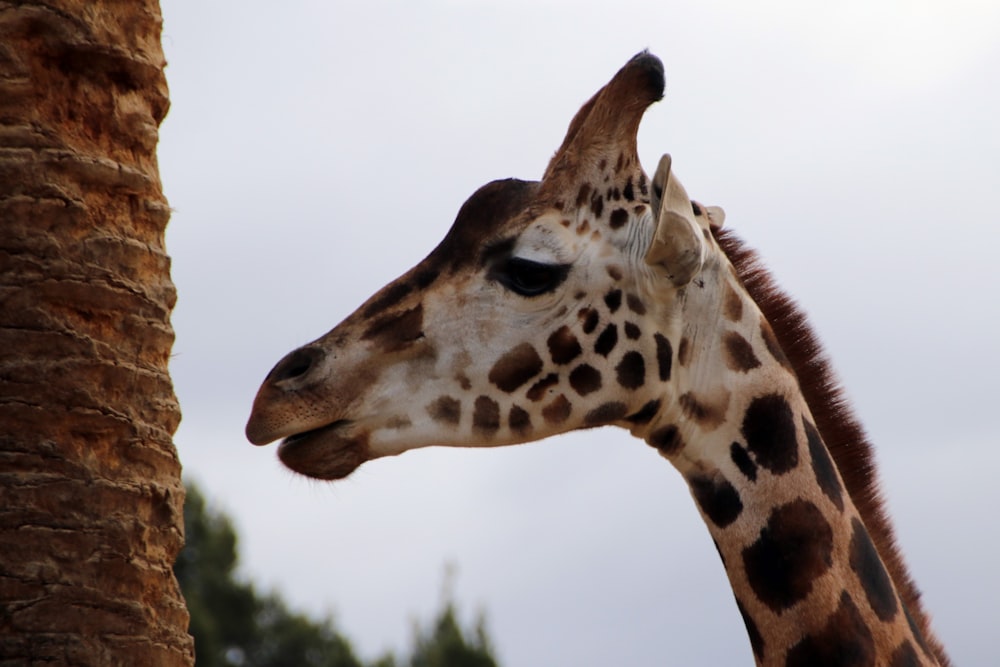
444, 644
235, 626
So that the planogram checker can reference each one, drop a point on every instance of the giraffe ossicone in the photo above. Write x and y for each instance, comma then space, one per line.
595, 297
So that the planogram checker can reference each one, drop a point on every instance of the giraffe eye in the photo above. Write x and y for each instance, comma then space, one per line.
529, 278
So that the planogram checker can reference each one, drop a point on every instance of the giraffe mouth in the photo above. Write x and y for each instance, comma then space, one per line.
329, 452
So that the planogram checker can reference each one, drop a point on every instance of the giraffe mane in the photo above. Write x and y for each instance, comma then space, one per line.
840, 429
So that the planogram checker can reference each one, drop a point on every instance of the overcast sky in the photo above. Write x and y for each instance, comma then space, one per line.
315, 152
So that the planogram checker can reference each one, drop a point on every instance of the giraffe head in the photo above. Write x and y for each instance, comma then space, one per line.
543, 310
563, 304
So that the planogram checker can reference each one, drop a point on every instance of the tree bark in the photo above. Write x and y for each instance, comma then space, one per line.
90, 491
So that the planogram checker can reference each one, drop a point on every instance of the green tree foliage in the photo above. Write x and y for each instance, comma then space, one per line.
235, 626
444, 644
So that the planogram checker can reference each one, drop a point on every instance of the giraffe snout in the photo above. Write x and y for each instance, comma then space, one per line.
278, 408
295, 367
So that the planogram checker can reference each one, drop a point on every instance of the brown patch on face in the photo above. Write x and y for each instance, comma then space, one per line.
590, 318
597, 205
445, 409
845, 639
708, 413
566, 222
618, 218
613, 300
486, 414
519, 420
539, 389
615, 271
386, 298
605, 414
635, 304
667, 439
664, 356
631, 370
583, 196
684, 352
739, 355
583, 228
557, 411
585, 379
628, 191
516, 367
732, 304
563, 346
607, 340
632, 331
773, 346
396, 331
425, 277
399, 422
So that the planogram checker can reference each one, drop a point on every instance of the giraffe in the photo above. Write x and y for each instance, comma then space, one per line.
595, 297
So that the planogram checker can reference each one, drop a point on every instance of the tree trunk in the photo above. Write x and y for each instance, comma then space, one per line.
90, 492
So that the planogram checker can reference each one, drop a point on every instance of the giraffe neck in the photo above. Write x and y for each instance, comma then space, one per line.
808, 579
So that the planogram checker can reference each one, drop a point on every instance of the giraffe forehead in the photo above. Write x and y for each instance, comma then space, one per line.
549, 238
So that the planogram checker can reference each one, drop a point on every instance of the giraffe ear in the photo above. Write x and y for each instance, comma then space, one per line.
716, 216
677, 247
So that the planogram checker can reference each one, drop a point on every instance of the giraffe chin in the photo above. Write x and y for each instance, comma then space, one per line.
326, 453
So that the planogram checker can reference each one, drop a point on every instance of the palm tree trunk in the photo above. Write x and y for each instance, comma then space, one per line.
90, 490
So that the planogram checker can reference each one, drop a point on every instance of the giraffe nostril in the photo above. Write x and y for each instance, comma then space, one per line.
296, 364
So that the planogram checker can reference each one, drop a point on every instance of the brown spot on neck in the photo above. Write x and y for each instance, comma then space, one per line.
791, 552
732, 303
709, 411
667, 439
738, 354
684, 351
845, 639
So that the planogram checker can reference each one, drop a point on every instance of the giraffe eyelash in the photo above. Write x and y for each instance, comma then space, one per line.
527, 277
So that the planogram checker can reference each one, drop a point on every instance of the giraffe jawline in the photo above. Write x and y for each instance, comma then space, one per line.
328, 453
